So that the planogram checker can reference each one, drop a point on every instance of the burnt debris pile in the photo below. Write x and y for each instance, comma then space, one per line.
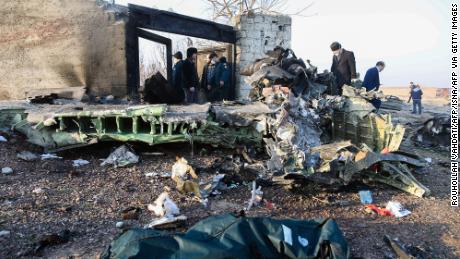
307, 132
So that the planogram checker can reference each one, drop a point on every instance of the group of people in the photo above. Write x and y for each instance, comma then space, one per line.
215, 80
344, 69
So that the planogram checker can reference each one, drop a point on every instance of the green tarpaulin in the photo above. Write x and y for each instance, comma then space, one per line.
228, 236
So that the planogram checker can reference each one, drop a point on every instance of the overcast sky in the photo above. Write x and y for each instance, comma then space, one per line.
411, 36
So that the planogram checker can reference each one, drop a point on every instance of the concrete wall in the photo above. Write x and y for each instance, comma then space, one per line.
257, 34
60, 43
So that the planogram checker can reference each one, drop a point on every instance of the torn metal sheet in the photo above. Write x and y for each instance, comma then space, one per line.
258, 65
374, 158
152, 124
12, 112
52, 140
350, 91
392, 102
405, 251
328, 153
253, 114
342, 163
274, 74
187, 113
122, 156
399, 176
304, 114
373, 129
392, 170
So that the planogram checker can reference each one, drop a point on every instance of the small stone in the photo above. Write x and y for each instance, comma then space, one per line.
4, 233
38, 190
343, 203
79, 162
7, 170
120, 224
27, 156
50, 156
3, 139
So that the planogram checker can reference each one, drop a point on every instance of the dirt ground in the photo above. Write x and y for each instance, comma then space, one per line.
88, 201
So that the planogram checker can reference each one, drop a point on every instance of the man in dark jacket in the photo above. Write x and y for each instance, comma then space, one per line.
372, 81
177, 73
207, 78
190, 77
343, 66
416, 96
222, 79
372, 78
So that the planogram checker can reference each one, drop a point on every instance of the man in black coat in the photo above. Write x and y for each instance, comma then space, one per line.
190, 76
177, 72
343, 66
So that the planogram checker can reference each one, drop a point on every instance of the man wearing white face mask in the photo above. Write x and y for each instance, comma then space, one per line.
343, 66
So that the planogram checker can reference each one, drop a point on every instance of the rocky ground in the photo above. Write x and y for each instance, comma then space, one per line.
51, 196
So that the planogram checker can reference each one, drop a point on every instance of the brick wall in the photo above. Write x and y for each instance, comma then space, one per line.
257, 34
60, 43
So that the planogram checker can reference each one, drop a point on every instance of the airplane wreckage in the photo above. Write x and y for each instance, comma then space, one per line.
307, 133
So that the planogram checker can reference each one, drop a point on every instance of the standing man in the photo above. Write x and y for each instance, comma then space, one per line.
190, 77
372, 81
207, 78
177, 74
222, 78
411, 87
343, 66
416, 95
372, 78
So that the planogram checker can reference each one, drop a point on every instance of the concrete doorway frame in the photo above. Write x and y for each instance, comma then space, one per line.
141, 18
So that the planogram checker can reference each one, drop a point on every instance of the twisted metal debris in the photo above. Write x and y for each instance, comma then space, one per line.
308, 118
290, 114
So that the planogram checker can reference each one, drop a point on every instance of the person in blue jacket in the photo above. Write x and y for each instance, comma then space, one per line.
416, 96
372, 81
222, 79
